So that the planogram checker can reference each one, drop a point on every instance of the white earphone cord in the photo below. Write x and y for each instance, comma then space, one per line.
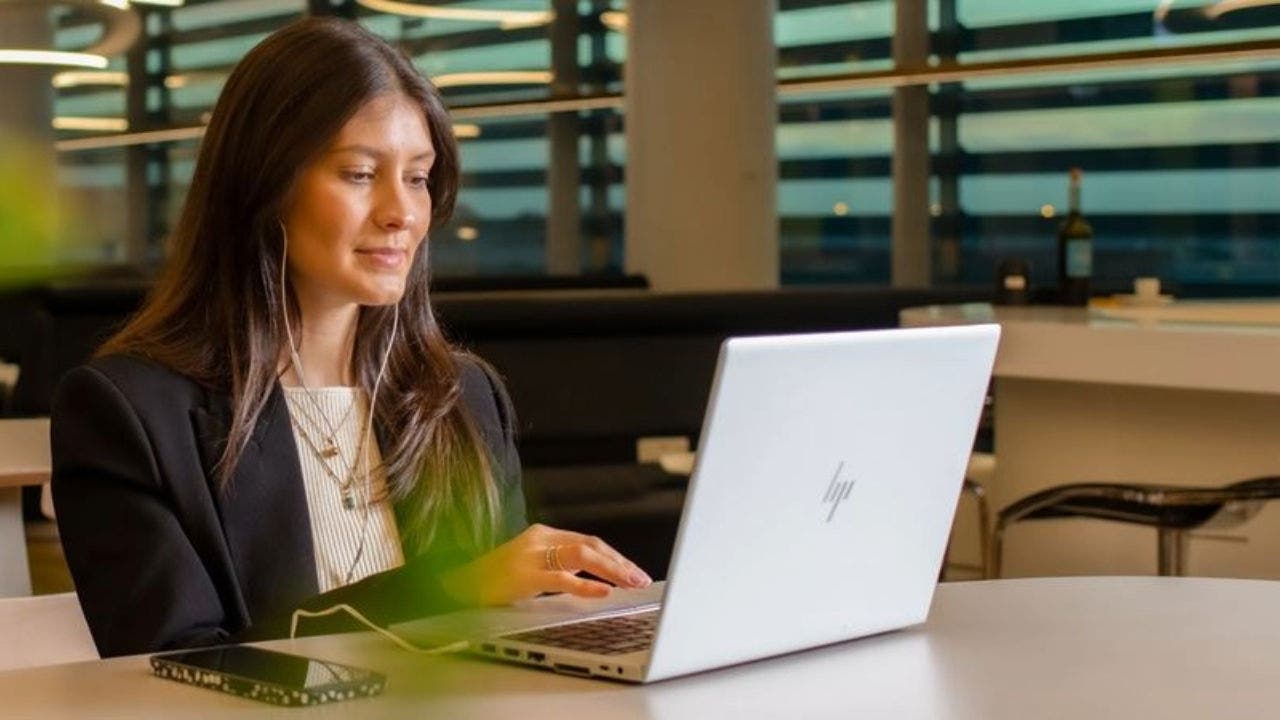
373, 400
400, 642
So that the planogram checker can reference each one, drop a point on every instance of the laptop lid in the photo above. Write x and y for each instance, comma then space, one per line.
826, 481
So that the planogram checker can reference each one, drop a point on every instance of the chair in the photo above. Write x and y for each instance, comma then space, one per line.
43, 630
1172, 511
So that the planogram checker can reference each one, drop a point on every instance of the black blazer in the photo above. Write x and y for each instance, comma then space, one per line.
162, 559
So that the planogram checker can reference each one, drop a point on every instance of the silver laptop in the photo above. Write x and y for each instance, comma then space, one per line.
818, 510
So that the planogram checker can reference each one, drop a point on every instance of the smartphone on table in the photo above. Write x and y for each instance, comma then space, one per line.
268, 676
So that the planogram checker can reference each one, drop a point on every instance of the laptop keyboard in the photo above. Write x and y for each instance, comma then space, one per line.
616, 635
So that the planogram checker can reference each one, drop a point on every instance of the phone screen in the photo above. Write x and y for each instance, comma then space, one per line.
274, 668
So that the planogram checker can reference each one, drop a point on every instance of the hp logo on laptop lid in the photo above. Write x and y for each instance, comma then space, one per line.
837, 491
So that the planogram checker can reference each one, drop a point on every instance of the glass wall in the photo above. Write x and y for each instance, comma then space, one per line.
1181, 157
835, 192
501, 222
1181, 160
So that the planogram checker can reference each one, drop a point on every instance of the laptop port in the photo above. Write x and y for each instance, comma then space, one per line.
537, 656
573, 669
511, 652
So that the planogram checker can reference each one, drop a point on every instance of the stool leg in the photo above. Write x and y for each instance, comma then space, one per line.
979, 493
1172, 552
984, 528
995, 561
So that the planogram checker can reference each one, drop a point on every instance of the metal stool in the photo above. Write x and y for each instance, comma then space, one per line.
981, 468
1172, 511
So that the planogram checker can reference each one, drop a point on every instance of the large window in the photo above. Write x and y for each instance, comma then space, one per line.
500, 227
1181, 155
835, 194
1181, 160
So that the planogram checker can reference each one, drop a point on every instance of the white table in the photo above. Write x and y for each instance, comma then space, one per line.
24, 460
1072, 648
1187, 394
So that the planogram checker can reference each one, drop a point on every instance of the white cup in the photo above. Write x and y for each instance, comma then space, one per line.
1146, 288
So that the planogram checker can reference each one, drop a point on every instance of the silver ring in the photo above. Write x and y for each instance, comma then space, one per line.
552, 559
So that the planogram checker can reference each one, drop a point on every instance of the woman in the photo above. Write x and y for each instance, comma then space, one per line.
283, 426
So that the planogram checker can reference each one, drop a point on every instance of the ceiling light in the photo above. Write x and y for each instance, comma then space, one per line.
466, 131
121, 26
193, 77
615, 20
494, 77
77, 78
1222, 7
125, 140
91, 124
52, 57
506, 19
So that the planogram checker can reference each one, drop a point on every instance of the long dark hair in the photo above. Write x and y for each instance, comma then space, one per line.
215, 314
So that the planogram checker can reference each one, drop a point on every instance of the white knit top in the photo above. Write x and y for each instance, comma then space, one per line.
350, 542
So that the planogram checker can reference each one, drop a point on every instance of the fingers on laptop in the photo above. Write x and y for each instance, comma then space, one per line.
632, 574
596, 557
576, 552
627, 573
574, 585
542, 559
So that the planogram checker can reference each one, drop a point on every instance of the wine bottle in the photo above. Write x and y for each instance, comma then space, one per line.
1075, 250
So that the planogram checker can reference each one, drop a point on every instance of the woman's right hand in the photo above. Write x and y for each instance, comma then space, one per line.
540, 560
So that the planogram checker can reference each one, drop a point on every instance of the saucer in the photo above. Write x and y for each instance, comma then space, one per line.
1131, 300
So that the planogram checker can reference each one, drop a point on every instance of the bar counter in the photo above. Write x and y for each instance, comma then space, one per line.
1185, 394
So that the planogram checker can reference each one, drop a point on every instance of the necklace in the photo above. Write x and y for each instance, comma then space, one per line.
346, 485
349, 488
331, 448
328, 449
363, 450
